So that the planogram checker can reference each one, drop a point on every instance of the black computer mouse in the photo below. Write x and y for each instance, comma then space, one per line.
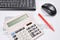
50, 9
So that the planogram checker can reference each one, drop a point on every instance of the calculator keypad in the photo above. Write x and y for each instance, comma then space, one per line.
33, 30
27, 33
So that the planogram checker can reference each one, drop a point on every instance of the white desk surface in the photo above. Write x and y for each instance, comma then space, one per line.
54, 21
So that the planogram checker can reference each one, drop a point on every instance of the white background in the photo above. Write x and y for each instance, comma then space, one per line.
54, 21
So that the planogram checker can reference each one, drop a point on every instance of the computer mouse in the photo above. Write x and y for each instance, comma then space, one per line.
50, 9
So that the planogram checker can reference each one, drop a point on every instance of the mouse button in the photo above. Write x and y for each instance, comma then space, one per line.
47, 10
52, 8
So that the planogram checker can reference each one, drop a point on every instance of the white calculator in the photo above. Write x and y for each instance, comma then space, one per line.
23, 28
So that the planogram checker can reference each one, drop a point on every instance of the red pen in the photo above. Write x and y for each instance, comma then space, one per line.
46, 22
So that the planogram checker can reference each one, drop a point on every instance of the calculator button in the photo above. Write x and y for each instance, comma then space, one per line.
32, 34
13, 33
16, 39
14, 36
29, 23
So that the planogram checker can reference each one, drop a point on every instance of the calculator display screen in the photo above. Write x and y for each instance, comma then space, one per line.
17, 20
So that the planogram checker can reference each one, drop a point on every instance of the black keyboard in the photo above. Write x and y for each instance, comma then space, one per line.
17, 5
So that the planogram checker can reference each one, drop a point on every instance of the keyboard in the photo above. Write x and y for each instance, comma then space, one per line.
17, 5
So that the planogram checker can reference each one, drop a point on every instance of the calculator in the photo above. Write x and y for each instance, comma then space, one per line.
23, 27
